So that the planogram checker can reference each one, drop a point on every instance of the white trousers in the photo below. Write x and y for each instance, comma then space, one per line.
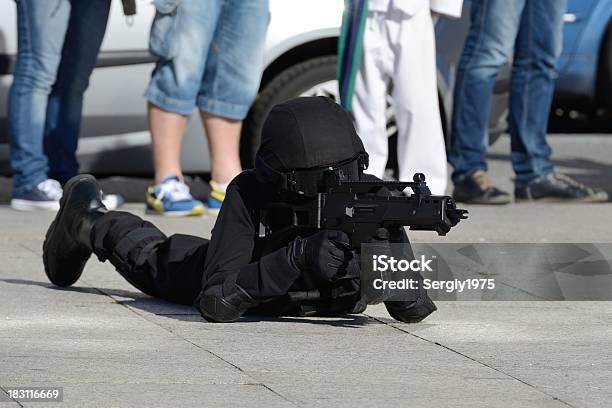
399, 57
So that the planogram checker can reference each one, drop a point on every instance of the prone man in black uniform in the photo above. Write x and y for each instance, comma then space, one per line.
237, 270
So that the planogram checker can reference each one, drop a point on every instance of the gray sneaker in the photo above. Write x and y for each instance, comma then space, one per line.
557, 187
45, 196
477, 188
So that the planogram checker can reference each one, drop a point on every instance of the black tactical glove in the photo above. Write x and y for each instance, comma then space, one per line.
325, 254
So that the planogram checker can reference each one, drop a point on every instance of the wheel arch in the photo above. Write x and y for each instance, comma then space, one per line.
314, 48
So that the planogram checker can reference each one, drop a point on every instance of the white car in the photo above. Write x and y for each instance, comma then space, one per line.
300, 59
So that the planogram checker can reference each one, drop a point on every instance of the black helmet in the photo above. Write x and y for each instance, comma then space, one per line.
304, 139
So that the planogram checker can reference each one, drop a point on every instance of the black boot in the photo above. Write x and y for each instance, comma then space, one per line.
224, 305
67, 245
414, 311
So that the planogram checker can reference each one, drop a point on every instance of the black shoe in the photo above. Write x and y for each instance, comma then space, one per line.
556, 187
67, 245
221, 305
477, 188
412, 312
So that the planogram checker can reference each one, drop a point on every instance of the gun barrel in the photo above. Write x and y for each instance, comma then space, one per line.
362, 208
354, 213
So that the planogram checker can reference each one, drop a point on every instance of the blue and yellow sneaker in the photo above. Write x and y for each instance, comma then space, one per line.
172, 197
215, 199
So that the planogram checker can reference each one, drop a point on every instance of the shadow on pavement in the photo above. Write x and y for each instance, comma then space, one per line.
188, 313
81, 289
350, 321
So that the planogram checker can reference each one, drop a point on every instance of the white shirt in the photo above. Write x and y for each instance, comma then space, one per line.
410, 7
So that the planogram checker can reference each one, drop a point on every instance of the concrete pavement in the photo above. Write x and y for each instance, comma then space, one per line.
109, 346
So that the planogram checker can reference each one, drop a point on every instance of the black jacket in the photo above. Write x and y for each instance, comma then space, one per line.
237, 254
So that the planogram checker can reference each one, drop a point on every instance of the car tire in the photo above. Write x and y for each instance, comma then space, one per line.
290, 83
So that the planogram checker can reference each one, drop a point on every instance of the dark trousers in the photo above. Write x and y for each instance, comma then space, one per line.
172, 268
530, 31
58, 44
169, 268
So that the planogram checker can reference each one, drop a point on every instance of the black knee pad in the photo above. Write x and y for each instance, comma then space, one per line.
110, 229
132, 257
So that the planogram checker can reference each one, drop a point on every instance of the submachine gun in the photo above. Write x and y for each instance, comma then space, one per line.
343, 198
360, 208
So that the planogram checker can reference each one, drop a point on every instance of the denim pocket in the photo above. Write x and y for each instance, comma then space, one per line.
161, 41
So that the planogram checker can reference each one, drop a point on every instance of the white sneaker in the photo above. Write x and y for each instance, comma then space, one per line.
112, 201
45, 196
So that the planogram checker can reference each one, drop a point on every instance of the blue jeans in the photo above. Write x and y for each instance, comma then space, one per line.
58, 44
532, 29
210, 55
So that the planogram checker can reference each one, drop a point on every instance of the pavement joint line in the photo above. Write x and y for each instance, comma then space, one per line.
145, 317
30, 250
474, 360
10, 399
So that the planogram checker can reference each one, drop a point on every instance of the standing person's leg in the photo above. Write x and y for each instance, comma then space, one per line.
181, 36
223, 136
538, 46
489, 45
420, 143
167, 130
537, 49
229, 85
370, 93
84, 36
168, 268
41, 29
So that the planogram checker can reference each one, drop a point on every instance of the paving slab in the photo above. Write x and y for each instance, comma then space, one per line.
558, 348
107, 344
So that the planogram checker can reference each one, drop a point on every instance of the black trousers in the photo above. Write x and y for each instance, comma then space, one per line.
170, 268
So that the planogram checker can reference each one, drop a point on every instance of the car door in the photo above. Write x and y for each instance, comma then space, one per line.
575, 20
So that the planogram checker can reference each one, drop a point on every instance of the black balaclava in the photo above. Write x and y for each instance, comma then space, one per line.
305, 134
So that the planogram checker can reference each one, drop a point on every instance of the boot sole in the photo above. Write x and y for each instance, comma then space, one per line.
28, 205
50, 237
